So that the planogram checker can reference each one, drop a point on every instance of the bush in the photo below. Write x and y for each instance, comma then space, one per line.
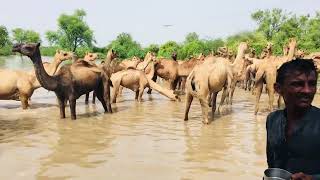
6, 51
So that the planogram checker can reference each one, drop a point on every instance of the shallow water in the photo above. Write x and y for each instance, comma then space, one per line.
147, 140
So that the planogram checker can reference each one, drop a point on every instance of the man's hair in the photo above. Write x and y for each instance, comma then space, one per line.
305, 66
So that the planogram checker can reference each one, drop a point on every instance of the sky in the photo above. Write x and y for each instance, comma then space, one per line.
144, 19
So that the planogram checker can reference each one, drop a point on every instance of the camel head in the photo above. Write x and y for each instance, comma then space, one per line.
27, 49
135, 58
174, 56
201, 57
90, 56
63, 55
299, 53
111, 54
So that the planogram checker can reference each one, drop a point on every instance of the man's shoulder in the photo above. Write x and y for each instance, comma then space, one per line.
274, 116
315, 109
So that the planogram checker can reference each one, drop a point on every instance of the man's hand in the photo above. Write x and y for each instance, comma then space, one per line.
301, 176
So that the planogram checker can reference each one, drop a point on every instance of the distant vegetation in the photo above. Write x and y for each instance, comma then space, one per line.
74, 34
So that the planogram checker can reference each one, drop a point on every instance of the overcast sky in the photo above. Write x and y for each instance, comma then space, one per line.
144, 19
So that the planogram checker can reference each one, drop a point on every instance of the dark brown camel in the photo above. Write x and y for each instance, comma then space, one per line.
71, 81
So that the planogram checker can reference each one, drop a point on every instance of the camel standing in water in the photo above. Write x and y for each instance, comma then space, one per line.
137, 80
208, 78
20, 85
71, 81
267, 72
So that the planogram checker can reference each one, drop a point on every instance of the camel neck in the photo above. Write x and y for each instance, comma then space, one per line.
46, 81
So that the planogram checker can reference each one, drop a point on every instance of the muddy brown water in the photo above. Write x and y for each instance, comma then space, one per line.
147, 140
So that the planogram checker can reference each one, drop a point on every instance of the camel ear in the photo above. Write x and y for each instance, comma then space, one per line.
58, 51
38, 44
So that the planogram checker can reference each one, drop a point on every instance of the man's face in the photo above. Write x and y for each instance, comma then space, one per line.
298, 89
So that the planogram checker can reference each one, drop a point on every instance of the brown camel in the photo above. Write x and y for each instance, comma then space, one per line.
208, 78
267, 73
20, 85
71, 81
131, 63
137, 81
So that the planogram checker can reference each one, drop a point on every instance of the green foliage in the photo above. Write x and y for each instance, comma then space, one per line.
191, 37
152, 48
25, 36
168, 48
126, 47
73, 32
4, 36
191, 48
269, 21
6, 50
48, 51
211, 46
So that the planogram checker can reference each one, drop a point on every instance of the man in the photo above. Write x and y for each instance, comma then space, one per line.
293, 134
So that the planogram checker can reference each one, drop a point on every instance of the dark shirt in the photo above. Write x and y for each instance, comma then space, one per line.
299, 153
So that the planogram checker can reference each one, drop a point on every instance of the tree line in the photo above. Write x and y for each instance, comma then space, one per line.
74, 34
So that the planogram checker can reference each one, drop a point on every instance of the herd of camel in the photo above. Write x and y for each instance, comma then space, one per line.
201, 77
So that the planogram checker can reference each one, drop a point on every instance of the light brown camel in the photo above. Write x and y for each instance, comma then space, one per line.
20, 85
131, 63
267, 72
208, 78
90, 57
71, 81
137, 81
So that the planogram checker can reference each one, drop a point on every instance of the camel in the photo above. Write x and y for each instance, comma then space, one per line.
137, 81
90, 57
71, 81
131, 63
267, 72
208, 78
20, 85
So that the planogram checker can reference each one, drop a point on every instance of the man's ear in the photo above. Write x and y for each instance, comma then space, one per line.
277, 88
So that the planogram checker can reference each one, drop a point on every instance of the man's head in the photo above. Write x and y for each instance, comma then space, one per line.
297, 82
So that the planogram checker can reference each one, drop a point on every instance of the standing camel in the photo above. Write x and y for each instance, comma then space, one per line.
70, 82
20, 85
267, 72
208, 78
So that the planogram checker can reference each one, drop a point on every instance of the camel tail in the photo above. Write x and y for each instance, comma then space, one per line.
259, 75
190, 85
166, 92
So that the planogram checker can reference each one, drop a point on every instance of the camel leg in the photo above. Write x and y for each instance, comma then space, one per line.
106, 91
24, 101
258, 91
223, 97
99, 93
62, 104
271, 98
116, 86
93, 97
120, 90
141, 89
183, 83
213, 103
87, 98
233, 87
72, 102
204, 109
189, 99
154, 78
137, 95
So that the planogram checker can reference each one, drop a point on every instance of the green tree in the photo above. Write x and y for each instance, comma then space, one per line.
168, 48
4, 36
310, 39
192, 48
126, 47
152, 48
191, 37
73, 32
25, 36
269, 21
211, 46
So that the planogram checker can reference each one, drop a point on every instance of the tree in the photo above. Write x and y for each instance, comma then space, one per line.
126, 47
152, 48
211, 46
4, 36
25, 36
168, 48
191, 37
73, 32
269, 21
